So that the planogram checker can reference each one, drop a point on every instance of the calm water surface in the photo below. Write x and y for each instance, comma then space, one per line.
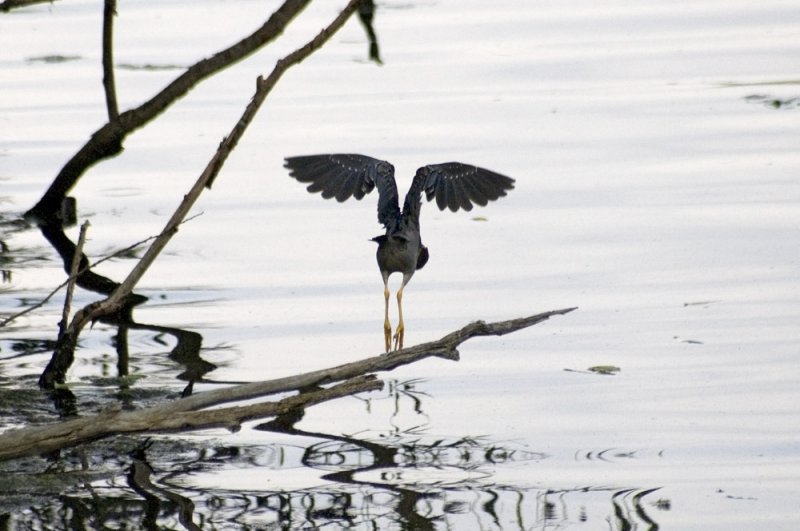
655, 151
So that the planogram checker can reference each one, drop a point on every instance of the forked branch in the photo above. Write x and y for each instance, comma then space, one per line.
62, 358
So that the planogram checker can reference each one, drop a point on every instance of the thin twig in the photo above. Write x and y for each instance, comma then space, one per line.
73, 275
109, 10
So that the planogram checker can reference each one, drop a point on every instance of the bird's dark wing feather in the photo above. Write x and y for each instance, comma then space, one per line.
348, 175
454, 185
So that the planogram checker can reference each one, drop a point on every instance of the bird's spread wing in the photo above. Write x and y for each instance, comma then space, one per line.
455, 185
348, 175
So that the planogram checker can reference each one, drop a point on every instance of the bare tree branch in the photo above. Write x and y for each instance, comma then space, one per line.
62, 358
45, 439
265, 86
8, 5
215, 164
107, 141
73, 274
109, 10
445, 347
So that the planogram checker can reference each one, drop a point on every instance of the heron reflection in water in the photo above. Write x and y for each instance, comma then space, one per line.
400, 250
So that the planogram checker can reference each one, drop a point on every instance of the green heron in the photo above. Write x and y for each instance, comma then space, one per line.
400, 250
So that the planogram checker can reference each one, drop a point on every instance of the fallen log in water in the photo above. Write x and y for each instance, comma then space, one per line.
191, 413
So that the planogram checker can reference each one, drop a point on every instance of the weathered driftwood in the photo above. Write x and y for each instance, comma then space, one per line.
190, 413
445, 347
46, 439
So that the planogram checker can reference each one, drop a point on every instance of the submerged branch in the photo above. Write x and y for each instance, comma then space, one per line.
45, 439
191, 413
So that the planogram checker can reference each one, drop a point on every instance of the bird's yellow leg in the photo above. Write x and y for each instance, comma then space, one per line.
387, 326
400, 332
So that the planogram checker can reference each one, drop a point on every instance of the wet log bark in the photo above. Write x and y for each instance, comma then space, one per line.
191, 413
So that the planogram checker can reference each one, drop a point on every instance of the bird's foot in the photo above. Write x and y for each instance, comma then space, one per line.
398, 337
387, 335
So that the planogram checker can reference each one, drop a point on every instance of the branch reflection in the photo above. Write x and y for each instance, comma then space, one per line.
400, 477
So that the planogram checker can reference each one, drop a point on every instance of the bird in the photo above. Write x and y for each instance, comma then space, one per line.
454, 185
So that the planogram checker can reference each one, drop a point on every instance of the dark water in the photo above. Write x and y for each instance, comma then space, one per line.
656, 190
